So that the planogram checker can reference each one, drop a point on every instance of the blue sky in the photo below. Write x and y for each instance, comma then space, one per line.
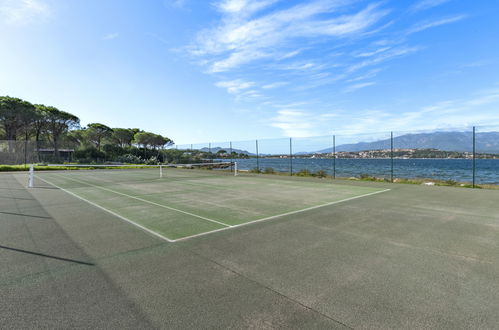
220, 70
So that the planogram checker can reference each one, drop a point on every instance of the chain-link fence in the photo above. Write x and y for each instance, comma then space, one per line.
26, 152
466, 156
453, 156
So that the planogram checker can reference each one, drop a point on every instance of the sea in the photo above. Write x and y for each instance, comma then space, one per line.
460, 170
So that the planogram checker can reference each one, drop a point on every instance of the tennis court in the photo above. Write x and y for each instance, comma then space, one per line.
332, 254
182, 202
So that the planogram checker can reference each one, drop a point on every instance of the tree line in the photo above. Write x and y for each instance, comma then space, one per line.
21, 120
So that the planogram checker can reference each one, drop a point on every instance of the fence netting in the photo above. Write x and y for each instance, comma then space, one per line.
457, 156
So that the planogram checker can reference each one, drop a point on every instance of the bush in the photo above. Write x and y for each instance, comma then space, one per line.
131, 159
152, 161
89, 155
255, 170
269, 170
321, 174
304, 172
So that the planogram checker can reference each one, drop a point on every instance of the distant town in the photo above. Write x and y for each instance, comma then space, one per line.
397, 153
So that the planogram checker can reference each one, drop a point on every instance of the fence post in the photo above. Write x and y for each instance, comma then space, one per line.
391, 156
257, 158
290, 157
25, 152
474, 156
334, 157
231, 156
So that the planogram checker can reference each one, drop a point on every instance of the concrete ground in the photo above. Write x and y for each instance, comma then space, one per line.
416, 257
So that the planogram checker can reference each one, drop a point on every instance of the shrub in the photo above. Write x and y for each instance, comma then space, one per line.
152, 161
131, 159
304, 172
269, 170
89, 155
321, 174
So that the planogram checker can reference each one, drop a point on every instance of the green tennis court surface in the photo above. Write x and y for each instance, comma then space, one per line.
191, 202
414, 257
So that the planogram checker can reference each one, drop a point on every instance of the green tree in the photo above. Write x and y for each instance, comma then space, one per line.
158, 141
58, 123
143, 138
79, 137
39, 122
123, 136
96, 132
16, 116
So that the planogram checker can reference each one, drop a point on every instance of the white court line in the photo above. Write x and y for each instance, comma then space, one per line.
150, 202
109, 211
211, 231
281, 215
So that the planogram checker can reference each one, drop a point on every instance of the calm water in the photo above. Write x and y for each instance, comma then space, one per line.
487, 170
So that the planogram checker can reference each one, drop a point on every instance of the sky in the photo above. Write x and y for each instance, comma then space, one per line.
227, 70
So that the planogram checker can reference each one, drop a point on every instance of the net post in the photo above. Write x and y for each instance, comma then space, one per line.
160, 171
235, 168
290, 156
31, 176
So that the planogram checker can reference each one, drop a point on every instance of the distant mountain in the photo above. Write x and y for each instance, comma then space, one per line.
448, 141
216, 149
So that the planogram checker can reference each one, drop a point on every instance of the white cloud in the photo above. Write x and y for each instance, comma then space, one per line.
275, 85
382, 57
479, 108
235, 86
110, 36
243, 7
354, 87
490, 96
427, 4
372, 53
294, 123
241, 39
22, 12
370, 74
427, 25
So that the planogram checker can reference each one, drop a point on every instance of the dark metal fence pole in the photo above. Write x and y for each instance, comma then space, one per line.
25, 152
334, 157
231, 155
290, 157
474, 156
391, 156
209, 153
257, 157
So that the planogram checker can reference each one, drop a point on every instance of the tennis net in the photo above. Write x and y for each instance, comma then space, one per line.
119, 173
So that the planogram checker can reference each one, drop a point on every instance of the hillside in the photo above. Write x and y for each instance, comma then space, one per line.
448, 141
